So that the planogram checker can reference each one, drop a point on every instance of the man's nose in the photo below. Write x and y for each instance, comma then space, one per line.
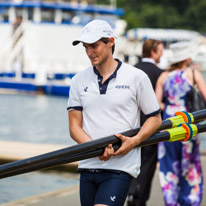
89, 51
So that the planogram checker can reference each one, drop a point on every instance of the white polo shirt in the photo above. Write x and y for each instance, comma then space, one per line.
112, 108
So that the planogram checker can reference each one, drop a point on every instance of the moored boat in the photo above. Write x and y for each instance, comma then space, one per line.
36, 38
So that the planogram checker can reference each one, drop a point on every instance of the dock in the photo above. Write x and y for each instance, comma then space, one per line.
12, 151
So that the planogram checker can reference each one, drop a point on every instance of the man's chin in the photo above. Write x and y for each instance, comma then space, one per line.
94, 64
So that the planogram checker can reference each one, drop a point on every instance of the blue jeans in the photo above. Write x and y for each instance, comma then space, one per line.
108, 187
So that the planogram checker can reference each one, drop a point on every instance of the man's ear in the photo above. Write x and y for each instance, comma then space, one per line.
111, 41
152, 53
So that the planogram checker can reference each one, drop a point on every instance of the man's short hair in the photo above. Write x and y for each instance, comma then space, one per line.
148, 46
106, 40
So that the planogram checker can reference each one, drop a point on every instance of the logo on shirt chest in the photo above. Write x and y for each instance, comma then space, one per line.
122, 86
85, 89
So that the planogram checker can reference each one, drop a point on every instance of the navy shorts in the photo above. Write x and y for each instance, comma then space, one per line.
108, 187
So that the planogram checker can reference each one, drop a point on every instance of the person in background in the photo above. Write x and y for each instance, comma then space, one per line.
140, 187
105, 99
180, 173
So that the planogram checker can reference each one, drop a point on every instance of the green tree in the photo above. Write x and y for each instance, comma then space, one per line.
195, 16
177, 14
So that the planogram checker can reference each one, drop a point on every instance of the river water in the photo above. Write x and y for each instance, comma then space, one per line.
34, 118
37, 119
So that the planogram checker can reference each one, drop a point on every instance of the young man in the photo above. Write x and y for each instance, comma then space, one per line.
140, 187
105, 99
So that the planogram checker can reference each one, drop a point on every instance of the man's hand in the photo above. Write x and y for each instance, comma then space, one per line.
108, 153
128, 143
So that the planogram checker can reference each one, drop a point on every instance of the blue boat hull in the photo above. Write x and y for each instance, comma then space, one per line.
22, 86
60, 90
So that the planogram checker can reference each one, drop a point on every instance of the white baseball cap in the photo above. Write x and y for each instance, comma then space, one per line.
94, 31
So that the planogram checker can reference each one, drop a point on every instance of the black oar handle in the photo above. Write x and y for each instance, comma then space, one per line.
95, 144
60, 161
155, 138
163, 136
199, 115
58, 154
201, 126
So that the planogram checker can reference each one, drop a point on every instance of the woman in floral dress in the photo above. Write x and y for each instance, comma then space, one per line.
181, 176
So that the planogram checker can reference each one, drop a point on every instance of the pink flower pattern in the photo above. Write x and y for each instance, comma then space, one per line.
180, 175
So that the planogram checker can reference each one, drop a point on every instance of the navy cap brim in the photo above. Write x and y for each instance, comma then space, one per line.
74, 43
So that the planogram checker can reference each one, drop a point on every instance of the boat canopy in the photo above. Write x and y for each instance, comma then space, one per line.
167, 35
63, 6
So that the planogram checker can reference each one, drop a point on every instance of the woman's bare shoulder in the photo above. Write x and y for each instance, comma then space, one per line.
164, 75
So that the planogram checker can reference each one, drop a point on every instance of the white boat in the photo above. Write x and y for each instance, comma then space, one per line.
36, 40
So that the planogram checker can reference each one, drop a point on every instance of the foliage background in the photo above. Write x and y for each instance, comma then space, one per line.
173, 14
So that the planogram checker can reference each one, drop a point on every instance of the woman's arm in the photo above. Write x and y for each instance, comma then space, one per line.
159, 89
200, 82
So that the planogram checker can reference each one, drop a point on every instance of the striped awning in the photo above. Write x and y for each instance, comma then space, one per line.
161, 34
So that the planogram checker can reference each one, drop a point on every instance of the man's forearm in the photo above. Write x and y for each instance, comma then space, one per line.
149, 127
78, 135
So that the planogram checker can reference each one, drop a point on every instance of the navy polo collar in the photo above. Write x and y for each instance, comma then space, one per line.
103, 87
115, 72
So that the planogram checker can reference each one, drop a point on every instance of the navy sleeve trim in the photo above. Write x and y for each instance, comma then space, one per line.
153, 113
75, 108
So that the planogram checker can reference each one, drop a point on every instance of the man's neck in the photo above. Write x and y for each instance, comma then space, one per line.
107, 68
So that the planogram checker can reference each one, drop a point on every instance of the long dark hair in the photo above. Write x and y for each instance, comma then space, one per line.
176, 66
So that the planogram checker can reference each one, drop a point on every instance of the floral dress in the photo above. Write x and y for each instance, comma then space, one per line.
180, 167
